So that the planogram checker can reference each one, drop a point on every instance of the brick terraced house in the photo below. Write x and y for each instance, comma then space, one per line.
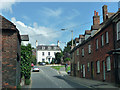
11, 42
97, 56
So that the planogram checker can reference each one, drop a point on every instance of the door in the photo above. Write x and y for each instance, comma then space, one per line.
103, 70
83, 70
92, 70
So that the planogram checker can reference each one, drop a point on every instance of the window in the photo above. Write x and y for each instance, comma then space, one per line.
77, 51
98, 66
89, 48
83, 52
49, 48
78, 66
96, 43
43, 48
102, 40
54, 53
108, 63
48, 53
88, 67
107, 40
118, 30
42, 53
43, 60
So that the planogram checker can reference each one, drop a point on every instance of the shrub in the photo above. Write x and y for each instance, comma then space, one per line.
27, 81
46, 62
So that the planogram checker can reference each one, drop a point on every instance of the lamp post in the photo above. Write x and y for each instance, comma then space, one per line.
72, 37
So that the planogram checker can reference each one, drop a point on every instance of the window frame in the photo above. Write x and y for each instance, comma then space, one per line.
106, 37
83, 52
89, 48
48, 53
118, 30
102, 40
108, 63
98, 66
96, 44
43, 54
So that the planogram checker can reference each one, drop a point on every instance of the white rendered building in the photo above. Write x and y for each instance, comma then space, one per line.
46, 53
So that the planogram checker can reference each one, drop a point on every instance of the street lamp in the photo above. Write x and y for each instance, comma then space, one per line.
72, 36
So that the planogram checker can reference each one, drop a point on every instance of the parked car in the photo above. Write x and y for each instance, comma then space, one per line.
36, 68
42, 63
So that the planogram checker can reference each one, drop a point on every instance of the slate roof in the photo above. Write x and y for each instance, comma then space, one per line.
48, 47
24, 37
88, 32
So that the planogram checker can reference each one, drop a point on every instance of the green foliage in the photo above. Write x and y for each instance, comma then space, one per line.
26, 54
34, 60
58, 57
27, 81
67, 59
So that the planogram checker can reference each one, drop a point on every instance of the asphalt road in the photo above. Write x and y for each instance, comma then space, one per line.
50, 78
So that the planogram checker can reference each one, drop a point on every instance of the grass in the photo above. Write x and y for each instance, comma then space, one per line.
57, 67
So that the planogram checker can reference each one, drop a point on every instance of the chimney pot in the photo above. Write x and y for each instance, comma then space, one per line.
94, 13
97, 13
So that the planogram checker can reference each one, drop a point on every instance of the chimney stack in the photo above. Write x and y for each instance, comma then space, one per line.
105, 12
96, 18
58, 43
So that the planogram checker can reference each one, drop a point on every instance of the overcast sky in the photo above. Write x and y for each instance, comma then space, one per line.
43, 21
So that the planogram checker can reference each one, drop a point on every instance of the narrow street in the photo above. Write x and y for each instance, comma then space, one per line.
49, 78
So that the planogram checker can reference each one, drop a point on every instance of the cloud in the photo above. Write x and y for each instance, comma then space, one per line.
44, 35
6, 5
51, 12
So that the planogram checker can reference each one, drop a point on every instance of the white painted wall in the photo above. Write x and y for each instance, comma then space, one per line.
25, 43
40, 56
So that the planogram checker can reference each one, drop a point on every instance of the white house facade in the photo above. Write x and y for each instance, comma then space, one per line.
46, 53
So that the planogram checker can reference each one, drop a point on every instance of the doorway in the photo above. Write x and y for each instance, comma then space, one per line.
103, 63
92, 70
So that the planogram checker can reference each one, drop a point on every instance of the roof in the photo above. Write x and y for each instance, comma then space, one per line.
24, 37
77, 40
48, 47
88, 32
102, 26
6, 24
110, 14
95, 27
81, 36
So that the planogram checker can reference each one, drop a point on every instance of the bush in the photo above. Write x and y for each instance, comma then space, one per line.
18, 87
46, 62
27, 81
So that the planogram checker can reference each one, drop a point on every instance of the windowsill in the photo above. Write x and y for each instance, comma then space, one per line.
108, 70
118, 40
107, 43
90, 53
82, 56
98, 73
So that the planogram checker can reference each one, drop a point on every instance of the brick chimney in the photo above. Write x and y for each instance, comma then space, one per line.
96, 18
105, 12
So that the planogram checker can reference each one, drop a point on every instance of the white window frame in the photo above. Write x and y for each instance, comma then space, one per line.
78, 66
82, 51
43, 54
118, 30
108, 62
107, 37
89, 48
102, 40
98, 66
96, 43
48, 54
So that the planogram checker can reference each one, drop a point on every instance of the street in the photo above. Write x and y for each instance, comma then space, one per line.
49, 78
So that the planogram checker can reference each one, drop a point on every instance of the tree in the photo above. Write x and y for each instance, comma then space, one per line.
67, 59
33, 59
58, 57
26, 54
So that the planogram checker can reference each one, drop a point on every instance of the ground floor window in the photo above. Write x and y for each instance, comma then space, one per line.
43, 60
108, 62
98, 66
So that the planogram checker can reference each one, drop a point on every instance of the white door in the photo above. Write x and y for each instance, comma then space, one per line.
83, 70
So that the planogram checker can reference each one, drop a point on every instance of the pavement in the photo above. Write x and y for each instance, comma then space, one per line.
88, 82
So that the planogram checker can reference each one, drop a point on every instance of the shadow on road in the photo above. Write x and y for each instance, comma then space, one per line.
73, 84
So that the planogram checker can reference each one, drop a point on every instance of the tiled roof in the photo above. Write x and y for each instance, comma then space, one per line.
87, 32
24, 37
48, 47
81, 36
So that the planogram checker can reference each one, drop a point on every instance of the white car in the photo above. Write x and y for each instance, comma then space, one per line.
36, 68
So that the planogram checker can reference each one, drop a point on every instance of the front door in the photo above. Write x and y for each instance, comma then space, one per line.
92, 70
83, 70
103, 70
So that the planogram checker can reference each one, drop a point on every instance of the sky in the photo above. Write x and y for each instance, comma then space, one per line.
43, 21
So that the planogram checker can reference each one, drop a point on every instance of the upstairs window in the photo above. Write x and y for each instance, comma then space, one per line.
108, 63
43, 54
49, 53
78, 66
102, 40
89, 48
96, 43
118, 30
107, 39
83, 52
